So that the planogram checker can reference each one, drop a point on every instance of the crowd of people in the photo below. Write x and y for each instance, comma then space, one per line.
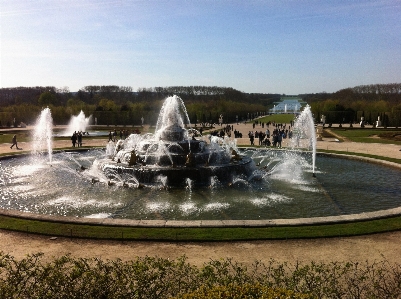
277, 137
272, 134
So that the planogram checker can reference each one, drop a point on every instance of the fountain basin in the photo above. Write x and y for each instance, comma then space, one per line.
62, 189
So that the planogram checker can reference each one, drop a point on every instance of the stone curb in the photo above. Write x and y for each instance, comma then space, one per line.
207, 223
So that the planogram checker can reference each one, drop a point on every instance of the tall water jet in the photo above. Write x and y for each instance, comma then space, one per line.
43, 134
304, 134
77, 123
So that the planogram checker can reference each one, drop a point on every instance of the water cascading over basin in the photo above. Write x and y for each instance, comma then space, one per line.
173, 155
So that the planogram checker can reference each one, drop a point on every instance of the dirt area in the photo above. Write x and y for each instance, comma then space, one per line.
363, 248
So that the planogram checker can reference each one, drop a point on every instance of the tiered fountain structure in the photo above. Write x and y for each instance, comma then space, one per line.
175, 154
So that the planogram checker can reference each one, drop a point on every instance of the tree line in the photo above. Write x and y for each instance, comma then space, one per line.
351, 104
121, 105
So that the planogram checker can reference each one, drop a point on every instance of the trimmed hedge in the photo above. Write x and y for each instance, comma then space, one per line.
153, 277
248, 291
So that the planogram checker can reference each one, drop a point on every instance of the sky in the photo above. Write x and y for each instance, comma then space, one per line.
272, 46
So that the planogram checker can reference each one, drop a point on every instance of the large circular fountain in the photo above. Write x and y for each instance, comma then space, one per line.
174, 174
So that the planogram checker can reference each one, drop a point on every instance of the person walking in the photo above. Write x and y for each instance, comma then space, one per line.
14, 142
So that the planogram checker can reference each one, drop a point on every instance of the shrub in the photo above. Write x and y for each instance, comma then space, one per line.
247, 291
154, 277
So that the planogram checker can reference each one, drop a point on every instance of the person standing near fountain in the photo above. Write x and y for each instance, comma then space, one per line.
79, 139
14, 142
74, 139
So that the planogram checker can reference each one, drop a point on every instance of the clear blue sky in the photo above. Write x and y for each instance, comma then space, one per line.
291, 47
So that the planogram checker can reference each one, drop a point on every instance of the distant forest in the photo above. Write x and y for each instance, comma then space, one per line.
120, 105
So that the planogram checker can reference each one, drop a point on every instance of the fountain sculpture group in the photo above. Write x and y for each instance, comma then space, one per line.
175, 153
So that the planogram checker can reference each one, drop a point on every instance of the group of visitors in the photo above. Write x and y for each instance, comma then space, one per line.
264, 137
76, 139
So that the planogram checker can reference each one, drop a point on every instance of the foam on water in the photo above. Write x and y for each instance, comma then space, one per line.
215, 206
188, 208
158, 206
98, 216
270, 200
77, 203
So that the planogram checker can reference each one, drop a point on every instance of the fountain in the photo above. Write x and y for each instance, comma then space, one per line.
304, 134
77, 123
43, 134
174, 174
172, 153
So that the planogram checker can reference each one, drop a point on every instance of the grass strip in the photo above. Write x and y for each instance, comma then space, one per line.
394, 160
199, 234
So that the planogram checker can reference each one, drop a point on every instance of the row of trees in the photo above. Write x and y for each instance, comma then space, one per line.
92, 94
368, 101
120, 105
115, 105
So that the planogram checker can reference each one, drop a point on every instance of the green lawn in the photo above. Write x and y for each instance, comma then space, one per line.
199, 234
392, 136
22, 136
278, 118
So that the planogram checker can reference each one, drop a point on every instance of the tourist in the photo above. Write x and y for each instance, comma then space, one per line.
110, 136
261, 137
14, 142
251, 137
79, 138
74, 139
279, 138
